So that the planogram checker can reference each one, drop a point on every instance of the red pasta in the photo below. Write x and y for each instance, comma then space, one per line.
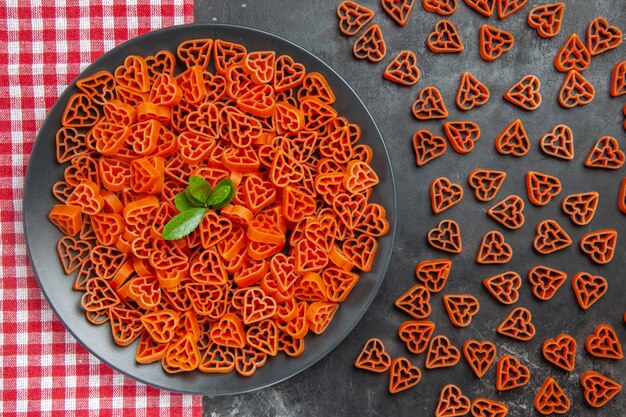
259, 271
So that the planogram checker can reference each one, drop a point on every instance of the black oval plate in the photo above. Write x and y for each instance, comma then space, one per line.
42, 236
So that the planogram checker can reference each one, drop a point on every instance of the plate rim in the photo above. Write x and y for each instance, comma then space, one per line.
214, 26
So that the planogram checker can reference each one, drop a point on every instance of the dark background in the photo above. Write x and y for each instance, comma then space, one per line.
333, 387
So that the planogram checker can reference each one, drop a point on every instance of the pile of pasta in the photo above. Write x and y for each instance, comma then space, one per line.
258, 274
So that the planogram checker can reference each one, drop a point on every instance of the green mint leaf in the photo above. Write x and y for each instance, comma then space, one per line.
183, 223
222, 195
199, 190
195, 181
201, 193
182, 202
192, 199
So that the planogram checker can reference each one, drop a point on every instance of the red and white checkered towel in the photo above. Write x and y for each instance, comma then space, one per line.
44, 44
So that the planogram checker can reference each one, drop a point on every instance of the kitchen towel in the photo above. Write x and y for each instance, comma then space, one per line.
44, 44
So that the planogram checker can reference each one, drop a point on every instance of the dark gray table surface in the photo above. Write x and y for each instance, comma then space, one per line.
333, 387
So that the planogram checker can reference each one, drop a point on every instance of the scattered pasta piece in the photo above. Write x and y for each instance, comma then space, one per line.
559, 143
550, 399
403, 69
525, 93
517, 325
600, 245
427, 146
486, 183
398, 10
601, 36
479, 355
471, 92
550, 237
444, 194
452, 402
493, 249
434, 273
446, 237
581, 207
403, 375
618, 79
598, 389
370, 45
573, 55
509, 212
508, 7
353, 17
494, 42
603, 343
441, 353
545, 281
484, 7
541, 187
373, 357
588, 288
547, 19
415, 302
487, 407
606, 154
461, 308
561, 351
429, 104
441, 7
504, 287
445, 38
416, 335
513, 140
510, 373
462, 135
575, 90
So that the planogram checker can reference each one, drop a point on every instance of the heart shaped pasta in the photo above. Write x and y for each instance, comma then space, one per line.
545, 281
461, 308
452, 402
601, 36
598, 389
603, 343
433, 273
517, 325
429, 105
600, 245
446, 237
486, 183
416, 335
370, 45
471, 92
479, 355
353, 17
373, 357
525, 93
561, 351
444, 194
403, 69
551, 399
504, 287
547, 19
494, 42
403, 375
510, 373
441, 353
445, 38
427, 146
559, 143
493, 249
